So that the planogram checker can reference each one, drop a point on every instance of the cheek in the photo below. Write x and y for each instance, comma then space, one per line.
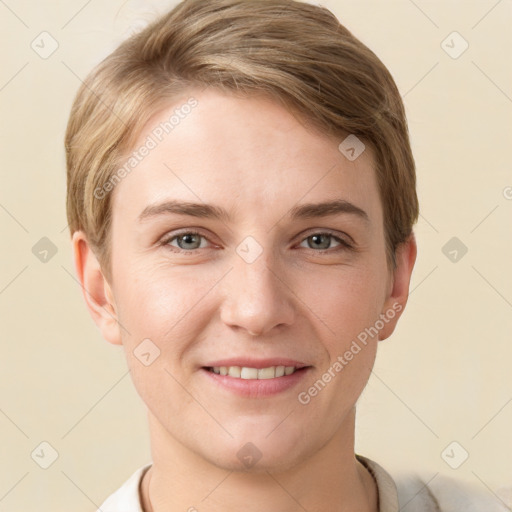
346, 304
345, 300
160, 300
172, 308
163, 312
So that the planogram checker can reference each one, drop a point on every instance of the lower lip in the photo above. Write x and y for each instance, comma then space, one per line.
257, 388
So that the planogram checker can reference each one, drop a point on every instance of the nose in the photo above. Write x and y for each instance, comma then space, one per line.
257, 299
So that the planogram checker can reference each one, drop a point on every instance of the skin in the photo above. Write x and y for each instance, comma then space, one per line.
253, 158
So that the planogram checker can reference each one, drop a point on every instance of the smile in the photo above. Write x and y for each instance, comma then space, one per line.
255, 378
244, 372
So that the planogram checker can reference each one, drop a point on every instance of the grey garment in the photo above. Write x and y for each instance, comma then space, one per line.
416, 495
436, 493
447, 494
387, 491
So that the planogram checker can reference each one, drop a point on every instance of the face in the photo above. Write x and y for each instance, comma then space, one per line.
249, 280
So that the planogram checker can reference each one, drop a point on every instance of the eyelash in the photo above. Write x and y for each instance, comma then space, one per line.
343, 244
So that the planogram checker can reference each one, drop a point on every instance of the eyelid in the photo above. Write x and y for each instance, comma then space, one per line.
167, 238
350, 243
347, 244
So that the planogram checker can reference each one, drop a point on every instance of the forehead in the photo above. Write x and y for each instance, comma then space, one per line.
241, 153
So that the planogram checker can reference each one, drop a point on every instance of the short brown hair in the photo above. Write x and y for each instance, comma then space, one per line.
294, 52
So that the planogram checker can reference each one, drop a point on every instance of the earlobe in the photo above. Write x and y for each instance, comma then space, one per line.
399, 288
96, 290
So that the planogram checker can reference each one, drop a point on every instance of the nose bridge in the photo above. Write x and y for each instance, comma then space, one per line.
256, 299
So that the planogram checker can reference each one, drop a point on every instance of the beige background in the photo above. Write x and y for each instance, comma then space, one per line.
444, 376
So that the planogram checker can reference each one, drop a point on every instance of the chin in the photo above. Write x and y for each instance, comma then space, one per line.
268, 463
258, 452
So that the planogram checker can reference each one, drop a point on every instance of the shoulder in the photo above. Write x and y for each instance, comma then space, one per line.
127, 497
413, 492
416, 493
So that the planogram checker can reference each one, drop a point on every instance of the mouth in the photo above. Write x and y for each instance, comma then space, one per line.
249, 373
255, 379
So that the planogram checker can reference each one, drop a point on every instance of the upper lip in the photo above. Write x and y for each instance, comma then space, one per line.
256, 363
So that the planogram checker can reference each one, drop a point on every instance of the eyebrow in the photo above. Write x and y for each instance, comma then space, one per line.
337, 206
208, 211
203, 210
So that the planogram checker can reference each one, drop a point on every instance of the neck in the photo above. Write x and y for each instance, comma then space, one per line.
331, 479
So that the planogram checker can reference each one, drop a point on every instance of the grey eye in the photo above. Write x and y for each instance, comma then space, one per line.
320, 241
188, 241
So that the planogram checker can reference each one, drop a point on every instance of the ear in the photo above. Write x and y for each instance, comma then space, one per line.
398, 288
95, 289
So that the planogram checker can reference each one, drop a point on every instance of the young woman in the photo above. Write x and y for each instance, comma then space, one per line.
241, 198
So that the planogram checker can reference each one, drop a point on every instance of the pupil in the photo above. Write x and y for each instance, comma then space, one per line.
188, 239
321, 241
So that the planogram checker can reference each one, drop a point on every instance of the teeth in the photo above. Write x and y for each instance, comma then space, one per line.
254, 373
249, 373
267, 373
234, 371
